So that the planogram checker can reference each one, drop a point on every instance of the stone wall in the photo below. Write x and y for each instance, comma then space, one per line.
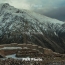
47, 51
43, 51
2, 52
1, 46
9, 52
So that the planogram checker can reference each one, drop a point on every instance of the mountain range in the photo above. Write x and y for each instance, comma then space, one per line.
19, 26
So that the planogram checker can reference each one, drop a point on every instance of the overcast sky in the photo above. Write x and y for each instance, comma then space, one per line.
51, 8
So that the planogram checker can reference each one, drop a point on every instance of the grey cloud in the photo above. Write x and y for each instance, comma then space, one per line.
58, 13
34, 3
3, 1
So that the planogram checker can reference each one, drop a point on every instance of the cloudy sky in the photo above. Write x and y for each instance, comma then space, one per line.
51, 8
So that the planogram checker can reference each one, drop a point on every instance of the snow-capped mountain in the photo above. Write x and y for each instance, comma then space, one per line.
39, 29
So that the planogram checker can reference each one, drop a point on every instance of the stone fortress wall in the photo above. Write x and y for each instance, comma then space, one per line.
13, 48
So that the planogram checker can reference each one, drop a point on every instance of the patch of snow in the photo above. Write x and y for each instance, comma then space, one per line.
24, 59
11, 48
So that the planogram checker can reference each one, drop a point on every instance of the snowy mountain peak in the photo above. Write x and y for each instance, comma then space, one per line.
11, 19
4, 5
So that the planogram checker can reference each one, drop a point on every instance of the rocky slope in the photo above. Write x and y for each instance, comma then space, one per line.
17, 25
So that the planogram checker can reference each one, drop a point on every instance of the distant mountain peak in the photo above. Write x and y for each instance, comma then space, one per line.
4, 5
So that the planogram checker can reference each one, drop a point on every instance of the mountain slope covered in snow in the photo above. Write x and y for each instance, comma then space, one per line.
15, 24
